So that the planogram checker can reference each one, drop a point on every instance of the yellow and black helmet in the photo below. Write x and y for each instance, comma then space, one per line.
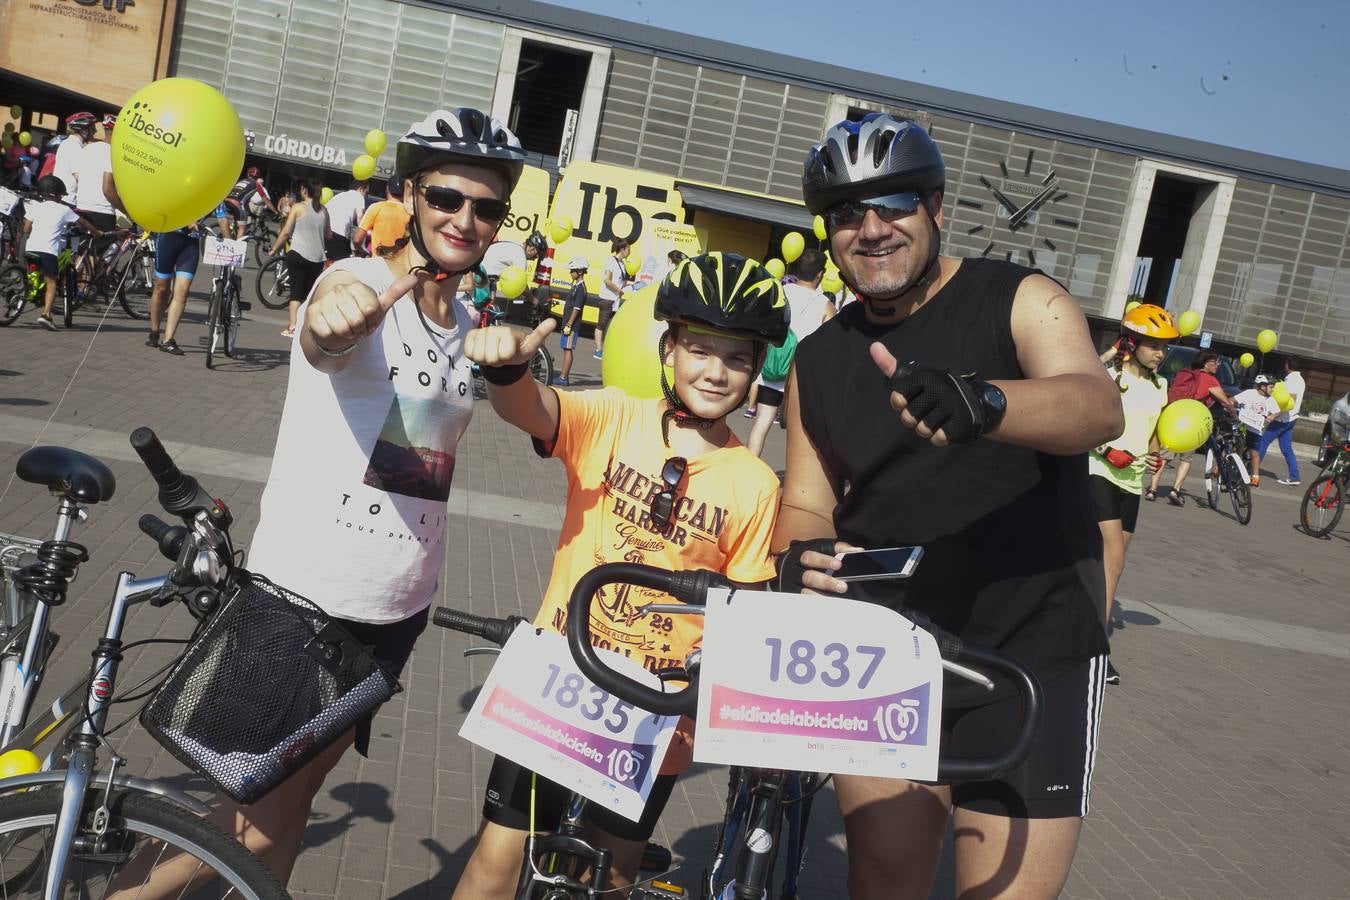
725, 292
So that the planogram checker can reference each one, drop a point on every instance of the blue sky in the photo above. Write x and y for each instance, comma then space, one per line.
1262, 76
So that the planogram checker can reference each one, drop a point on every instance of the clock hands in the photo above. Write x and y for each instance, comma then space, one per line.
1000, 196
1017, 219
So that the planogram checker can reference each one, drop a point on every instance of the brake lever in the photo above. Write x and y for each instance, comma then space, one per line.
483, 651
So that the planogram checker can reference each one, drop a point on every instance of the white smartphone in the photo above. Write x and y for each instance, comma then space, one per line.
878, 565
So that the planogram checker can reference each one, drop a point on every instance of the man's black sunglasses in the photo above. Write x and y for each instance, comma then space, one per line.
663, 504
447, 199
889, 207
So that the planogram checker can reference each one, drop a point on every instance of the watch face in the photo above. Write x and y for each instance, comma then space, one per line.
1022, 210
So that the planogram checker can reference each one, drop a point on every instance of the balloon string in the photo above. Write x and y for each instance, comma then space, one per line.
87, 350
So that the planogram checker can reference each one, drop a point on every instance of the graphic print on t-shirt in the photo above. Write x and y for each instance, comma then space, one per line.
402, 461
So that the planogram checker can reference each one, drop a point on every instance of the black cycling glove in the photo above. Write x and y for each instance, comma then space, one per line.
941, 399
789, 564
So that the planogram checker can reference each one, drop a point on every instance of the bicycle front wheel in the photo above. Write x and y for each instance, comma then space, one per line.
273, 284
1238, 490
137, 286
229, 321
1323, 503
13, 292
541, 366
213, 328
150, 847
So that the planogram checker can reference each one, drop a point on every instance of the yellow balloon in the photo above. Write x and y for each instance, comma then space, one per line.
831, 283
1188, 322
1184, 425
18, 762
176, 152
25, 138
776, 268
634, 334
6, 140
1246, 360
1285, 402
376, 142
818, 228
633, 264
9, 126
1266, 339
793, 245
363, 167
325, 195
16, 111
1131, 304
560, 230
1280, 393
512, 282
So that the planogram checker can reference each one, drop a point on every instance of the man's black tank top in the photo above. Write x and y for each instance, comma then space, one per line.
1012, 552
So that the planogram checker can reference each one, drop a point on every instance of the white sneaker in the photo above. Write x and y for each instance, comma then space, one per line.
46, 323
1288, 481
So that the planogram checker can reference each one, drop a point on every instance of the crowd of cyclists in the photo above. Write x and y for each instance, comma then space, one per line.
999, 475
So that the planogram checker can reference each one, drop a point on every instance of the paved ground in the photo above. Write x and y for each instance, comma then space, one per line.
1222, 770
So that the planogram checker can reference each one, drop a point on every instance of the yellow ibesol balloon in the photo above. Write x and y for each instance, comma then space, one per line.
818, 228
25, 139
325, 195
376, 142
1184, 425
363, 167
1266, 339
176, 152
793, 245
775, 267
1283, 399
830, 282
633, 338
1246, 360
1188, 322
512, 282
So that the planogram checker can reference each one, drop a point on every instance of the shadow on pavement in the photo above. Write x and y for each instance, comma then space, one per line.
364, 800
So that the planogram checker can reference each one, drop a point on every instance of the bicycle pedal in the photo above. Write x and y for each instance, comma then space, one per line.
245, 305
655, 858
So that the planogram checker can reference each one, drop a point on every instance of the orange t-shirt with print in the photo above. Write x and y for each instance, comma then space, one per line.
385, 222
612, 448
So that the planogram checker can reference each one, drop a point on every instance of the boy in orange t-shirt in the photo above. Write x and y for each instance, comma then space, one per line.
659, 482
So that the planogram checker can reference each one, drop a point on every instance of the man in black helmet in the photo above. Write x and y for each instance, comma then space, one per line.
973, 396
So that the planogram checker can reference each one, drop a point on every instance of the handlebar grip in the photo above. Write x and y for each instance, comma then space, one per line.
693, 591
175, 488
494, 630
169, 537
1033, 711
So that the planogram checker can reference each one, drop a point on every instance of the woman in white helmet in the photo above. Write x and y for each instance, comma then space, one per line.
379, 395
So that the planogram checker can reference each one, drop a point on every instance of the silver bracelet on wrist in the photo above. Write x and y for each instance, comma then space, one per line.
334, 354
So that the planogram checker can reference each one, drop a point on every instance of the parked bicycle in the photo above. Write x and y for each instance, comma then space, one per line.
1324, 500
226, 306
1225, 472
761, 803
76, 829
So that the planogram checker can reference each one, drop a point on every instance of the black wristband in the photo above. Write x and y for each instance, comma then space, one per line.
504, 375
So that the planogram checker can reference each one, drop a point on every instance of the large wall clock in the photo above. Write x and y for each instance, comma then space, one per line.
1026, 197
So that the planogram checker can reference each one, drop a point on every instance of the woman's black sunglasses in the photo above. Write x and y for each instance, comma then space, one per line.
447, 199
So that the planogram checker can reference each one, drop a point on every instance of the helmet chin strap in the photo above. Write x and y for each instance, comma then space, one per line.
678, 412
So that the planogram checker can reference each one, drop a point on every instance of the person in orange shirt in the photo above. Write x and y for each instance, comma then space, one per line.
662, 482
385, 223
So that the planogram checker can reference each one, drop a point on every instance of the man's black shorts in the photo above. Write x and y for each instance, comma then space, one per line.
1055, 780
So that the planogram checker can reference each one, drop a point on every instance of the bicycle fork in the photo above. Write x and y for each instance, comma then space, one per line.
84, 746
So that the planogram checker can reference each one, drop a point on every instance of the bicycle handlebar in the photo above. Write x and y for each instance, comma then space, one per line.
495, 630
179, 494
692, 588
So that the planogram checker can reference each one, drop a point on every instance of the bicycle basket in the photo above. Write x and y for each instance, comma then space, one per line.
265, 686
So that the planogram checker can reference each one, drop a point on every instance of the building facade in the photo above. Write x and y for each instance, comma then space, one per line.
1249, 241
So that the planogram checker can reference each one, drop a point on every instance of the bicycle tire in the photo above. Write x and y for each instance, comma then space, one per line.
266, 238
1322, 506
1239, 492
541, 366
13, 292
137, 287
230, 321
67, 292
27, 820
273, 284
1211, 483
213, 328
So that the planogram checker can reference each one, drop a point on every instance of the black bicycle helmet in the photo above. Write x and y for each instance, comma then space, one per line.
877, 155
536, 240
51, 186
460, 135
725, 292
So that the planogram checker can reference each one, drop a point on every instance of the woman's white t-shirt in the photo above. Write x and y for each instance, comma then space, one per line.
353, 514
